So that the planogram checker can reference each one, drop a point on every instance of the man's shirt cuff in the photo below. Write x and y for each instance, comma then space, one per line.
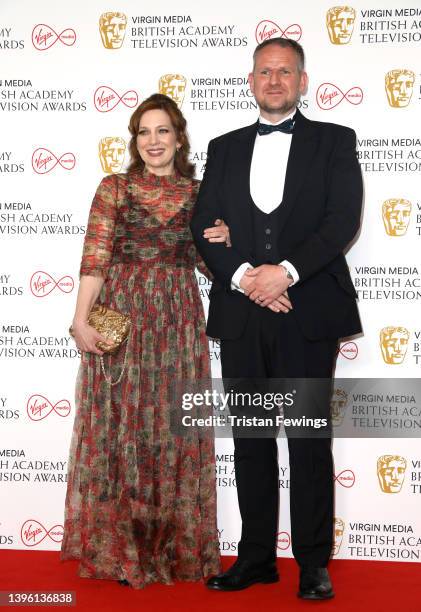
291, 269
238, 275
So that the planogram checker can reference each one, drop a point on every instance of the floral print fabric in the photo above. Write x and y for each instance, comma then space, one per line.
140, 502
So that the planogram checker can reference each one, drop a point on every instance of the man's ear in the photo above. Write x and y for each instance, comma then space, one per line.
304, 83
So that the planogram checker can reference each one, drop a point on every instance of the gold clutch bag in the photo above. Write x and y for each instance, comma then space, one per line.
111, 324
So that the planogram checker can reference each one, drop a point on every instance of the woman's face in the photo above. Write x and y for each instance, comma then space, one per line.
157, 142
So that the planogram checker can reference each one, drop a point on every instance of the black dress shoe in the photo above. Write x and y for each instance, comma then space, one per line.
242, 575
124, 582
315, 583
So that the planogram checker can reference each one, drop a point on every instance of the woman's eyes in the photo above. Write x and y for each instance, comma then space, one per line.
161, 131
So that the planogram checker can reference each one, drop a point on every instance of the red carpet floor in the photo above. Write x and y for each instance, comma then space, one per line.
359, 585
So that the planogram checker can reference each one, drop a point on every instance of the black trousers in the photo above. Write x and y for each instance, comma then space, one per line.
272, 346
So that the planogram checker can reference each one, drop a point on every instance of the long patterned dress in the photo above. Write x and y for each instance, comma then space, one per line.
140, 501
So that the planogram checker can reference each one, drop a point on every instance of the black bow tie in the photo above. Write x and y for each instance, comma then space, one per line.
287, 127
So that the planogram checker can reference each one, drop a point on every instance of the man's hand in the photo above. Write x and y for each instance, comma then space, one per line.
270, 282
246, 282
279, 304
282, 304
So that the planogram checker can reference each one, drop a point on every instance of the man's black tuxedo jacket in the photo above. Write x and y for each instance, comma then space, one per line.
319, 216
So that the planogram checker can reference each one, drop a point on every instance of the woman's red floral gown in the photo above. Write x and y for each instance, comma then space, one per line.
140, 502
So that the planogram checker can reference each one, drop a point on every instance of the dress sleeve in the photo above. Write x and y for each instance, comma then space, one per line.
200, 264
99, 239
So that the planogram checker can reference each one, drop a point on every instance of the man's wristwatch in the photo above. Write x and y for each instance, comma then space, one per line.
288, 273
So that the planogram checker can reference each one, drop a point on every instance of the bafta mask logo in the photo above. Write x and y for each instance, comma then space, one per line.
338, 406
394, 343
396, 215
399, 87
173, 86
111, 153
112, 27
340, 24
338, 534
391, 473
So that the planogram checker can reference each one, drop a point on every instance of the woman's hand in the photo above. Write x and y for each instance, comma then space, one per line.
86, 337
219, 233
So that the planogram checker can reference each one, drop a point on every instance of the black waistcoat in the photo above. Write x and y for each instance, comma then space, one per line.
265, 235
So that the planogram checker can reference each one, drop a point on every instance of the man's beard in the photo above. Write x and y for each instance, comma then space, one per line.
286, 107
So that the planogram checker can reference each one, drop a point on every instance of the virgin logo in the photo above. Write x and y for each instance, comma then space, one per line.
269, 29
39, 407
329, 95
44, 37
346, 478
33, 533
106, 99
349, 350
283, 540
42, 284
44, 161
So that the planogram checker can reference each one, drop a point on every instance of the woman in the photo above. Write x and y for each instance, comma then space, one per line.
140, 504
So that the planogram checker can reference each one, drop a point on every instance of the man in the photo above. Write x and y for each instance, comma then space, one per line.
290, 191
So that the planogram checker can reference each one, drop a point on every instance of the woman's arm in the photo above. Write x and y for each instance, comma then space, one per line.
96, 259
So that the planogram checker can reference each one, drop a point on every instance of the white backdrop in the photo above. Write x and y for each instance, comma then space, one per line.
62, 91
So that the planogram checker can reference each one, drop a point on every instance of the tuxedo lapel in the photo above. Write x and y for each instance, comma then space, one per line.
243, 145
241, 155
302, 151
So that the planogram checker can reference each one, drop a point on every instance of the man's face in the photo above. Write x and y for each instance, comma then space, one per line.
113, 30
276, 81
399, 88
394, 345
112, 154
392, 475
340, 26
396, 217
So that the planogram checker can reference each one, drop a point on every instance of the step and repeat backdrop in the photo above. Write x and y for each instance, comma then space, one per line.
70, 76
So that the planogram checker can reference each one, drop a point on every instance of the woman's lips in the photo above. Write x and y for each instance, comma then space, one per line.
155, 152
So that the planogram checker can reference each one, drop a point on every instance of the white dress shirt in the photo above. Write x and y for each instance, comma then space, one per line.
267, 179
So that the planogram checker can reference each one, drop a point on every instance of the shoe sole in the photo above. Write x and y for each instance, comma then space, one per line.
268, 580
314, 596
